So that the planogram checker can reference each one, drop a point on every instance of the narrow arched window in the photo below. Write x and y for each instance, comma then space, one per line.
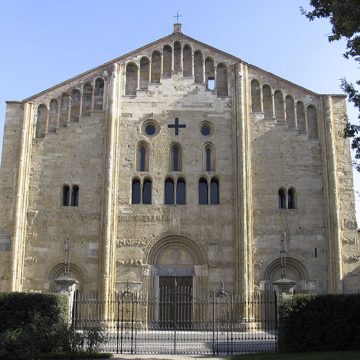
222, 80
282, 198
64, 109
75, 195
267, 102
214, 191
208, 158
291, 198
131, 79
87, 99
75, 105
99, 94
167, 61
66, 195
169, 192
290, 112
147, 189
203, 192
136, 192
255, 96
144, 72
300, 114
187, 60
199, 67
312, 122
142, 157
279, 106
181, 191
177, 56
175, 157
41, 122
210, 73
53, 115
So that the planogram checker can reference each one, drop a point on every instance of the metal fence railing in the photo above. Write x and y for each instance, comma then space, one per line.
176, 322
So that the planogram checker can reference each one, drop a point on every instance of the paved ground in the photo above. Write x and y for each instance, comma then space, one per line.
166, 357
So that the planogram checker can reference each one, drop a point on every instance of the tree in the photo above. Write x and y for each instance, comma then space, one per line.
344, 16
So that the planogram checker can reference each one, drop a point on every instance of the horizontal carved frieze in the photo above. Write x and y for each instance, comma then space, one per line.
143, 218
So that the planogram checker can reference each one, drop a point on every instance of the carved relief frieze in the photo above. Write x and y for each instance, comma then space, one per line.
34, 259
350, 225
127, 262
349, 241
143, 218
131, 242
261, 212
353, 258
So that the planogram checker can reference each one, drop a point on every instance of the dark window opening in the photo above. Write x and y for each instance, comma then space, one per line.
75, 196
136, 192
214, 192
147, 187
282, 199
181, 192
169, 191
203, 192
66, 195
291, 199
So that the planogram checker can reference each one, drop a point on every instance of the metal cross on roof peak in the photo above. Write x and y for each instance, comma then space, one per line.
177, 16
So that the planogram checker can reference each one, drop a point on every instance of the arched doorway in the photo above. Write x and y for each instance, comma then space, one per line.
58, 271
178, 276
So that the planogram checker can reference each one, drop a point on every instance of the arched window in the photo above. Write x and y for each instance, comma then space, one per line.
75, 105
210, 73
282, 198
87, 99
99, 94
214, 191
203, 192
144, 72
167, 61
143, 157
147, 189
53, 115
199, 67
312, 122
64, 109
131, 79
300, 114
291, 198
66, 195
136, 192
155, 67
41, 123
279, 106
169, 191
222, 80
187, 60
181, 192
267, 102
208, 158
290, 112
75, 195
255, 96
177, 56
175, 157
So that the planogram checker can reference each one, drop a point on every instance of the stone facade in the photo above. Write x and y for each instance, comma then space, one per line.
255, 186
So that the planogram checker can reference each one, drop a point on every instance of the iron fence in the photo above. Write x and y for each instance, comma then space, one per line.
176, 322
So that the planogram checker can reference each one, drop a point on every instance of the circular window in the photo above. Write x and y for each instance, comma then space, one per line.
150, 128
206, 129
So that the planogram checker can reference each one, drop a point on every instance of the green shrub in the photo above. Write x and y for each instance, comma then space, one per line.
319, 323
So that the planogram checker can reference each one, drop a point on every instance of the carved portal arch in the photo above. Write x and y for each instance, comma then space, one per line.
58, 271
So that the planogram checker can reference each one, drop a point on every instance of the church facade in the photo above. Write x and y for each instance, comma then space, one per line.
178, 161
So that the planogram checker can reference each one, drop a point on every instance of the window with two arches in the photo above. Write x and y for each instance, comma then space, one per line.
287, 199
141, 191
70, 195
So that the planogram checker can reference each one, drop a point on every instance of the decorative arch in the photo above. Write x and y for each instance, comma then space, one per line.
142, 156
210, 73
267, 102
76, 272
199, 67
155, 67
177, 56
174, 241
99, 94
255, 96
290, 112
187, 60
222, 80
312, 122
144, 72
75, 105
300, 114
209, 157
167, 61
41, 123
53, 115
64, 109
87, 99
295, 269
279, 105
131, 79
175, 157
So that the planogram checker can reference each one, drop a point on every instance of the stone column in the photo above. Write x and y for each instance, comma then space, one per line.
22, 190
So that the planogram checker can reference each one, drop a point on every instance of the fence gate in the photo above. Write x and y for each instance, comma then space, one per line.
176, 322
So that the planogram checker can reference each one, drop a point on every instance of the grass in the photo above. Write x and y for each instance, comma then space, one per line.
333, 355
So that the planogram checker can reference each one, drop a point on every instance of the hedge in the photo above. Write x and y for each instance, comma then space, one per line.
320, 323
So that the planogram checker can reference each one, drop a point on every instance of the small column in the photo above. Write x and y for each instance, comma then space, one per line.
69, 110
193, 64
204, 71
295, 116
138, 78
273, 104
172, 59
81, 101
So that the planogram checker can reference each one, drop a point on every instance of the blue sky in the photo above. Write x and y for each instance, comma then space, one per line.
45, 42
